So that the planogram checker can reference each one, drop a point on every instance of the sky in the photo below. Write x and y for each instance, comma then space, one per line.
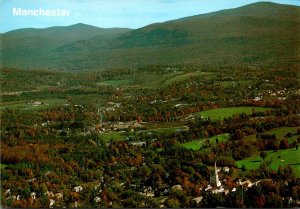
112, 13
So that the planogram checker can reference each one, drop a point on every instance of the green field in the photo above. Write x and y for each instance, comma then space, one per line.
197, 144
29, 105
115, 82
152, 80
194, 145
250, 163
118, 136
221, 113
151, 125
143, 79
168, 130
221, 138
279, 158
235, 83
184, 77
113, 136
279, 132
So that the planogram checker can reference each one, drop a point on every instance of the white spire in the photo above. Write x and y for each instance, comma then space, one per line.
218, 183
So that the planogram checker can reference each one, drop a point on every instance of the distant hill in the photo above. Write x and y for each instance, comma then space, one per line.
256, 34
29, 47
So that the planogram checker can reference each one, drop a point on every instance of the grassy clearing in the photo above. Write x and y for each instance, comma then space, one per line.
194, 145
117, 136
152, 80
114, 82
168, 130
279, 158
164, 125
221, 113
45, 87
235, 83
143, 79
197, 144
279, 132
221, 138
251, 163
2, 166
285, 157
26, 105
113, 136
183, 77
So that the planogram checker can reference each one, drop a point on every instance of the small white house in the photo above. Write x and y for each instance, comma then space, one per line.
78, 189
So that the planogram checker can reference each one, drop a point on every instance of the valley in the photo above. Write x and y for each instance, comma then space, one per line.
197, 112
85, 125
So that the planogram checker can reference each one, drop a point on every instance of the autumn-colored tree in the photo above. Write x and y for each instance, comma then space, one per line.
284, 144
259, 201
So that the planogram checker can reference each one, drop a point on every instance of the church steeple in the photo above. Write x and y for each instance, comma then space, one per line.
216, 176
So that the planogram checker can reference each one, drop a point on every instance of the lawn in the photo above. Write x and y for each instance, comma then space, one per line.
168, 130
221, 138
235, 83
151, 125
194, 145
140, 79
183, 77
221, 113
279, 132
26, 105
152, 80
285, 157
250, 163
197, 144
279, 158
113, 136
117, 136
115, 82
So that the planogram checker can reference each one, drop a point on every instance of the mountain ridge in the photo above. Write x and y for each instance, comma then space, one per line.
251, 34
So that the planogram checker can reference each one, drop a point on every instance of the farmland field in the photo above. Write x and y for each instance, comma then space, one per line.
33, 104
280, 134
185, 77
112, 136
114, 82
221, 113
168, 130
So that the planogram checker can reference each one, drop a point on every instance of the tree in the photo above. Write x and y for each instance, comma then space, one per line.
25, 192
259, 201
284, 144
263, 155
172, 203
273, 200
239, 134
211, 200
